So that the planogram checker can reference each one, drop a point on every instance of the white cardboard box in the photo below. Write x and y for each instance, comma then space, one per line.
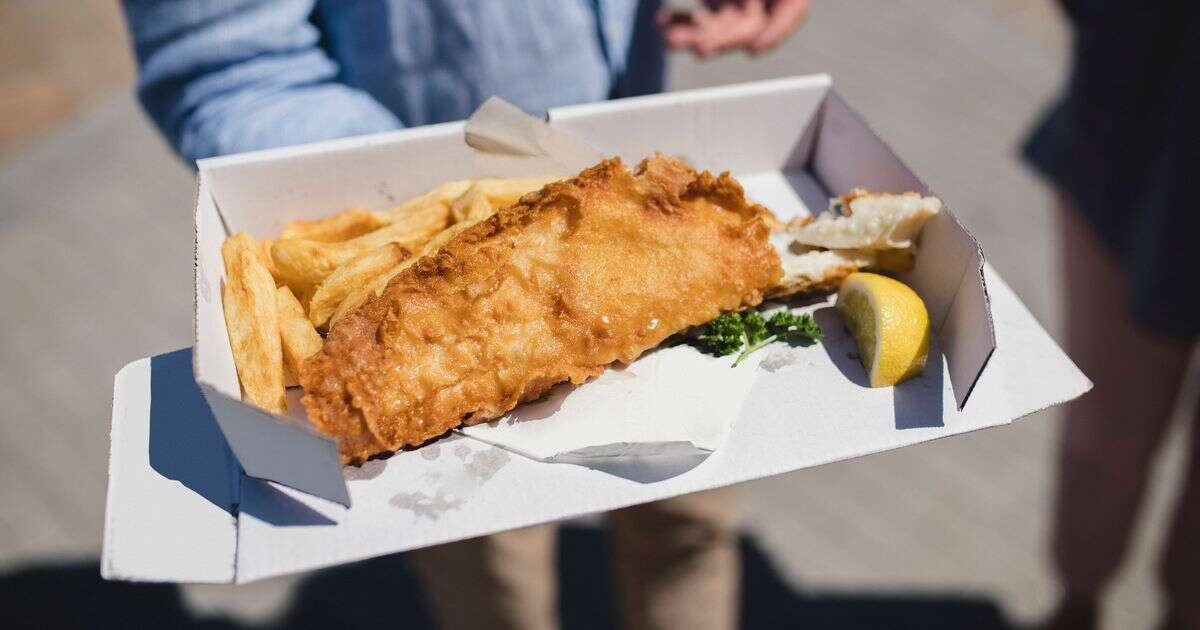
188, 500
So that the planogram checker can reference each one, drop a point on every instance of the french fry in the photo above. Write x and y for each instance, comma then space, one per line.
444, 237
439, 197
345, 279
472, 206
252, 319
502, 193
243, 241
304, 264
264, 248
364, 292
297, 335
359, 296
410, 232
342, 226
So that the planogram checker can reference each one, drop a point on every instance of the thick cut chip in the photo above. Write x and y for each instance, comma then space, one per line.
244, 242
473, 206
299, 338
354, 274
264, 248
252, 319
342, 226
498, 194
303, 264
439, 198
363, 292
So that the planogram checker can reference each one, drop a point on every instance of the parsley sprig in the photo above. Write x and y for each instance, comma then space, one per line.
749, 331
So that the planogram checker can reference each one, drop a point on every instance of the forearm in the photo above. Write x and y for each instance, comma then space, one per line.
231, 76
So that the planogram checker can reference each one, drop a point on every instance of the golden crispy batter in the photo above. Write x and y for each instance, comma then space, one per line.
581, 274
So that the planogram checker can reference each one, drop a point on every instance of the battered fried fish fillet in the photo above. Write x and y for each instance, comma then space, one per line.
581, 274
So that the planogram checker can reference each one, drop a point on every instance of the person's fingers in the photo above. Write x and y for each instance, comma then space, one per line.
755, 25
692, 30
783, 19
731, 25
667, 17
739, 24
677, 28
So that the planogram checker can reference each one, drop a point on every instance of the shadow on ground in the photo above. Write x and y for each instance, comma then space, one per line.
366, 593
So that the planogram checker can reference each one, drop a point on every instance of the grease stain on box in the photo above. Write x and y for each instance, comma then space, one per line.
424, 505
369, 470
453, 484
779, 359
487, 463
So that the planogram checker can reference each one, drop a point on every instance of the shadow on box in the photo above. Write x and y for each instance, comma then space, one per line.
367, 593
184, 436
917, 403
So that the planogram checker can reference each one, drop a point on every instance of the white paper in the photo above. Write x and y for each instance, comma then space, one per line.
672, 401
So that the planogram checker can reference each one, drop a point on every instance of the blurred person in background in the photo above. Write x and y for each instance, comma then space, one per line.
225, 76
1121, 147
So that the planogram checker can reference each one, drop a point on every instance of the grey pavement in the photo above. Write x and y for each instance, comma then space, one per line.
95, 264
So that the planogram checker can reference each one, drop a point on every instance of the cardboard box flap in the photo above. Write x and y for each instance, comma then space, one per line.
266, 446
374, 167
949, 268
280, 450
173, 485
703, 126
503, 133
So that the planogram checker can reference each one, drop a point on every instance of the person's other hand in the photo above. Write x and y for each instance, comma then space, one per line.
724, 25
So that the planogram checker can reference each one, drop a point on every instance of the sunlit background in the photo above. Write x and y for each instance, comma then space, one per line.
95, 271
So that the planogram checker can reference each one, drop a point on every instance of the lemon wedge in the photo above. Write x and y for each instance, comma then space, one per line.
889, 322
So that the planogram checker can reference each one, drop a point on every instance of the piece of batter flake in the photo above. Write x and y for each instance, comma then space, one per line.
861, 230
867, 220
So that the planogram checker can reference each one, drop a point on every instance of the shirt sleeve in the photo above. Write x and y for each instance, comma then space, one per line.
224, 76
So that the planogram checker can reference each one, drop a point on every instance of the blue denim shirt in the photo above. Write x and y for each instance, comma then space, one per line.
223, 76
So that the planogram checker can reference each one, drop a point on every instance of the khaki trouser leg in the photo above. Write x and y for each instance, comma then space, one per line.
501, 581
677, 562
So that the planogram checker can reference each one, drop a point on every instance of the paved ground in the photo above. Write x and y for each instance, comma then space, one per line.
95, 262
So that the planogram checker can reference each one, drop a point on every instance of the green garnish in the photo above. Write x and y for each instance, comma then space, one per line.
748, 331
723, 335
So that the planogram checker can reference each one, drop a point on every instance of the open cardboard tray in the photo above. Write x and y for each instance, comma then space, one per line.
204, 488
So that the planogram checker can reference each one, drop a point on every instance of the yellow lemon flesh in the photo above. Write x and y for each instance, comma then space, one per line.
889, 322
